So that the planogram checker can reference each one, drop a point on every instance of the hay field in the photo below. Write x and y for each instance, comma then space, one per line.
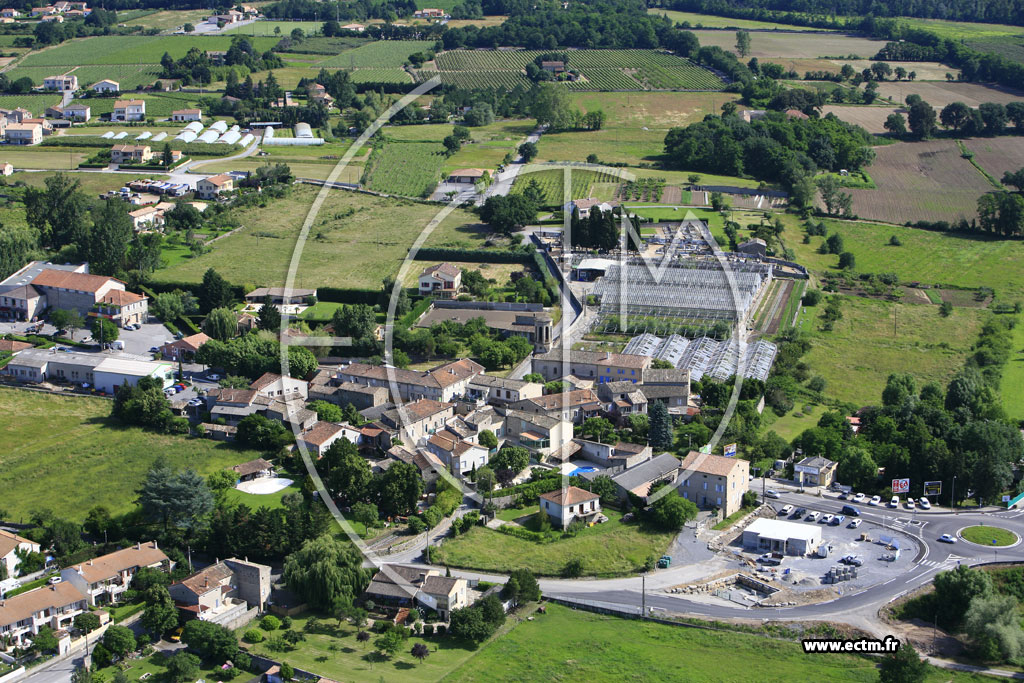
871, 119
921, 181
798, 45
940, 94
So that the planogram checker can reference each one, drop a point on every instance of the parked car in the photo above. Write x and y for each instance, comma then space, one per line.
894, 502
771, 558
786, 509
925, 505
947, 538
813, 517
852, 560
838, 519
827, 519
154, 349
859, 498
875, 500
800, 512
910, 504
854, 523
772, 493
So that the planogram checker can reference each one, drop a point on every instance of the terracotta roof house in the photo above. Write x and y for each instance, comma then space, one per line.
713, 481
103, 579
320, 437
184, 348
565, 505
54, 606
9, 543
443, 281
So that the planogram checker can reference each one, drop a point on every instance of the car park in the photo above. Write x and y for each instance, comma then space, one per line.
925, 505
854, 523
875, 500
827, 519
772, 493
813, 517
947, 538
894, 502
786, 509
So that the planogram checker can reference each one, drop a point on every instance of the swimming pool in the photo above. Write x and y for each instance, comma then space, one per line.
581, 470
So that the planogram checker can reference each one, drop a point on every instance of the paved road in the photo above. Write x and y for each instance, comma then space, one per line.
502, 183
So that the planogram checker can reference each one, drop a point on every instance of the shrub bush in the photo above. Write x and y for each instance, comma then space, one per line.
252, 636
270, 623
428, 630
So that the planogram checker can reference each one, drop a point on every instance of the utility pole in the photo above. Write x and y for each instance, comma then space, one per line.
952, 496
643, 596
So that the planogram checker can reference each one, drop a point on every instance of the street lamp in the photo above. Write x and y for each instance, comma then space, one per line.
952, 496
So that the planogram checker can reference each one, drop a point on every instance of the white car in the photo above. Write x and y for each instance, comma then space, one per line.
895, 502
827, 519
854, 524
925, 505
910, 504
859, 498
875, 500
813, 517
786, 510
947, 538
772, 493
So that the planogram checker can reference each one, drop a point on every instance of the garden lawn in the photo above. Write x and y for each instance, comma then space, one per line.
153, 665
254, 501
344, 250
572, 645
42, 158
335, 653
609, 549
861, 352
957, 259
1013, 376
985, 535
64, 454
790, 426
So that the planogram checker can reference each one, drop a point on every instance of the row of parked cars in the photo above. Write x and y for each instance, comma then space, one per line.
815, 516
894, 502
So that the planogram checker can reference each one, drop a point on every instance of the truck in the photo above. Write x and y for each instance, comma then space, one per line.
772, 558
824, 549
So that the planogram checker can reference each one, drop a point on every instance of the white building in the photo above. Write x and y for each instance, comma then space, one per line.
101, 371
9, 543
103, 579
775, 535
62, 83
568, 504
129, 110
106, 86
55, 606
187, 115
281, 387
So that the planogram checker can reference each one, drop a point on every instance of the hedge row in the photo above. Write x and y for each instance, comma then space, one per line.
342, 295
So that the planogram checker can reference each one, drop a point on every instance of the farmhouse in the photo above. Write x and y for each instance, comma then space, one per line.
358, 28
103, 579
187, 115
129, 110
209, 188
10, 13
106, 86
319, 438
553, 66
713, 481
566, 505
130, 154
146, 217
6, 169
585, 206
77, 112
775, 535
467, 175
67, 82
430, 13
24, 133
443, 280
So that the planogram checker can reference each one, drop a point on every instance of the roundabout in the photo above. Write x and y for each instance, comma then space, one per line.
989, 536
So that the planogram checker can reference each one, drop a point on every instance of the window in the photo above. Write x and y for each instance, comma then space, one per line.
718, 500
705, 486
686, 482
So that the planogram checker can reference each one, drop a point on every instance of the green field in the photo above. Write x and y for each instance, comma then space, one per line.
157, 105
266, 28
963, 30
600, 70
571, 645
710, 21
409, 169
344, 250
551, 182
609, 549
129, 76
379, 55
956, 259
133, 50
64, 454
392, 75
991, 536
165, 20
1013, 377
861, 352
36, 104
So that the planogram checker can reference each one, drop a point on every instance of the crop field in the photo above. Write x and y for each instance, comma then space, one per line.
378, 55
1010, 47
266, 28
926, 71
600, 69
410, 169
344, 249
711, 21
133, 50
920, 181
550, 182
871, 119
36, 104
157, 105
128, 75
962, 30
380, 76
167, 19
997, 156
63, 452
796, 44
928, 257
940, 94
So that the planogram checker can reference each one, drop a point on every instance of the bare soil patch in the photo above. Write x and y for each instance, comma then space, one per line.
998, 155
797, 45
871, 119
940, 94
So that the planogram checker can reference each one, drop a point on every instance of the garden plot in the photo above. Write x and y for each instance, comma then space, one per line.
921, 181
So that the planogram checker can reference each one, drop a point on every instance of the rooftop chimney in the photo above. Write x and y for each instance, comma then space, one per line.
138, 546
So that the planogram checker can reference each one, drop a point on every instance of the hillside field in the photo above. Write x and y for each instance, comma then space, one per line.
64, 454
778, 44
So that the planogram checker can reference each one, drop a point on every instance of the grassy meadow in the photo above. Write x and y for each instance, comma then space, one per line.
65, 454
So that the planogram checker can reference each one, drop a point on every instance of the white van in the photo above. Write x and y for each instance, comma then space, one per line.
117, 345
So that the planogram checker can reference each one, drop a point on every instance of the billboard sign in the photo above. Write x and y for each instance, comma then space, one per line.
901, 486
730, 450
932, 488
